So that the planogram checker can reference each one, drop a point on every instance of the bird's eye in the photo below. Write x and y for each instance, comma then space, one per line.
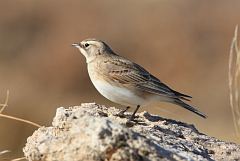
86, 45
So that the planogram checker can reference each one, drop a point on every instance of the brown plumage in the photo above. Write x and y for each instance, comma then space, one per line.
125, 82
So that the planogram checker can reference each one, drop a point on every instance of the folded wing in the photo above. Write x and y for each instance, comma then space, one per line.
129, 73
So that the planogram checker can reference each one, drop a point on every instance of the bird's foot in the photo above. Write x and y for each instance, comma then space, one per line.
131, 119
121, 113
131, 122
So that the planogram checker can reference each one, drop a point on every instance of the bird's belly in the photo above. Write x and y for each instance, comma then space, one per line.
120, 95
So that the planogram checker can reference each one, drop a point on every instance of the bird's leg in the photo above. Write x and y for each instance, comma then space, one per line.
133, 115
121, 113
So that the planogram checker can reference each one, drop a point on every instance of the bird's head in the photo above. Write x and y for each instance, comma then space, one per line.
91, 48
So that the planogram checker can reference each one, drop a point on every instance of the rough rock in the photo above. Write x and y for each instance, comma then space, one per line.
94, 132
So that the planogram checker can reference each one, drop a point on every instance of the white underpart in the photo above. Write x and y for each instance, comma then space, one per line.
88, 58
118, 95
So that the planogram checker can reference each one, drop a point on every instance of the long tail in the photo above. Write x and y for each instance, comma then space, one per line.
188, 107
182, 96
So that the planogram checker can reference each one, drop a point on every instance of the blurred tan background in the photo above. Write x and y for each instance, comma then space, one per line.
184, 43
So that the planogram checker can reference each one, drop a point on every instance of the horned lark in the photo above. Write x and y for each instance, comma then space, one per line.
125, 82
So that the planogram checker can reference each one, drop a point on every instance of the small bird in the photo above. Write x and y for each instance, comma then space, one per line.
125, 82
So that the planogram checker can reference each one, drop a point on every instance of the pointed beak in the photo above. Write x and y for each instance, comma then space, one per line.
77, 45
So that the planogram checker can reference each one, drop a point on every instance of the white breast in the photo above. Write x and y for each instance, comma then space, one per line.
120, 95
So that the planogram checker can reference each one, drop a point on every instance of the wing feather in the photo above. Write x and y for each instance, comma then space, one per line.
129, 73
